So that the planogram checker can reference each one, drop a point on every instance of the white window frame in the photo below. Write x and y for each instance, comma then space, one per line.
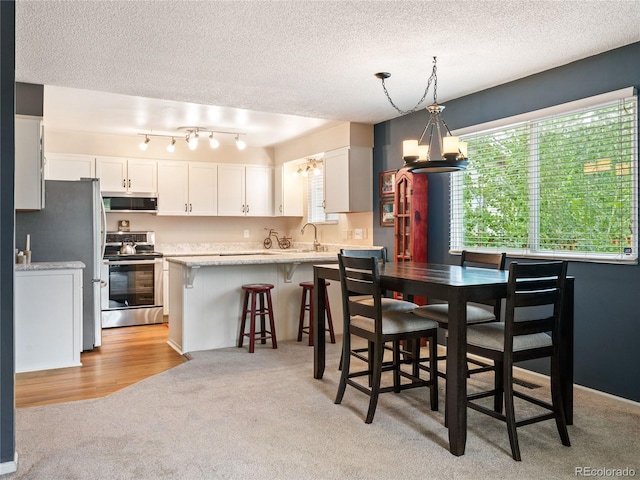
456, 184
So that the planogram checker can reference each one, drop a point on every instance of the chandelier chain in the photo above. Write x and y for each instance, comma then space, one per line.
424, 96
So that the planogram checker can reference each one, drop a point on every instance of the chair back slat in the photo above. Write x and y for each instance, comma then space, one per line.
542, 289
379, 253
485, 260
360, 276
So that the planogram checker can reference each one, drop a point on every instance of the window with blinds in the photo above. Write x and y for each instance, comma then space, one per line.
315, 199
557, 186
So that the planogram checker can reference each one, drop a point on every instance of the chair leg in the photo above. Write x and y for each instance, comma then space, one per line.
263, 313
433, 367
509, 411
243, 321
303, 303
396, 366
345, 363
498, 386
272, 323
332, 335
556, 399
252, 327
378, 352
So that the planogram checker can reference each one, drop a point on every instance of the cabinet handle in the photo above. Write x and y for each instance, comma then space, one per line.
185, 207
190, 208
124, 183
280, 208
129, 183
243, 208
247, 208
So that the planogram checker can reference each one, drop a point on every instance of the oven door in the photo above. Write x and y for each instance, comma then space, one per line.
132, 292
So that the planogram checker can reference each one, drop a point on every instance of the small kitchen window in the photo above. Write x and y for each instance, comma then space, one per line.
561, 183
315, 199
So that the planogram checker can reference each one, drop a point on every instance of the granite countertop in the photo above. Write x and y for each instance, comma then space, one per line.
248, 257
33, 266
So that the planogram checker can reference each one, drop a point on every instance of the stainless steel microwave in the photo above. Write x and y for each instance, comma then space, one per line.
130, 202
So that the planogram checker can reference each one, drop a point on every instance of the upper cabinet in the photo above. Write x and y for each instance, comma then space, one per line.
348, 180
245, 190
69, 167
127, 175
187, 188
29, 167
287, 192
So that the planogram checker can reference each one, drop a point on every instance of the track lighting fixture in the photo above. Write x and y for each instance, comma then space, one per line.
191, 138
310, 167
144, 144
240, 143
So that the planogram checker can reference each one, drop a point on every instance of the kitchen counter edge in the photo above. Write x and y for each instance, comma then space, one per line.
36, 266
254, 259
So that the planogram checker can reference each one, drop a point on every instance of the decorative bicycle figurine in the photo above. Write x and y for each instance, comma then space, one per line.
284, 242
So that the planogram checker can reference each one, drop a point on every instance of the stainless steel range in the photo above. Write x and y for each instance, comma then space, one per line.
131, 280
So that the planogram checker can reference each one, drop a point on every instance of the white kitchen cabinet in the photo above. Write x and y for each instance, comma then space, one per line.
59, 166
287, 192
348, 180
245, 190
187, 188
48, 317
127, 175
29, 169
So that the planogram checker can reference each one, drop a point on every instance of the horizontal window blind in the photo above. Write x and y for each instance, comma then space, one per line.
315, 199
560, 186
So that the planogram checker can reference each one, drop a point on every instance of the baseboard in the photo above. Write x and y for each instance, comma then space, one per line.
9, 467
545, 378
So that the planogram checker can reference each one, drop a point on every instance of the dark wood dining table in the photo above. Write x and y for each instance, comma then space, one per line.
456, 285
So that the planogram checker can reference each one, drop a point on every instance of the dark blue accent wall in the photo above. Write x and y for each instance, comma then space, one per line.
607, 298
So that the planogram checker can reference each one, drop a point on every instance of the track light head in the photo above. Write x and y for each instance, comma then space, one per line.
145, 143
214, 143
172, 146
192, 140
240, 143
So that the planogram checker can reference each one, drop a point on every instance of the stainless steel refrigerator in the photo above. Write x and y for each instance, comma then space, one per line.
71, 227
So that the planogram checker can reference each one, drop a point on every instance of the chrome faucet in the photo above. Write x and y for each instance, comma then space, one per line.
316, 243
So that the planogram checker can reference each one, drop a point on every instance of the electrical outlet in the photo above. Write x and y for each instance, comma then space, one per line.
358, 234
246, 234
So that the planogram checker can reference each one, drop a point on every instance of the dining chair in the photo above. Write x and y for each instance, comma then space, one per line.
387, 303
530, 330
475, 313
360, 277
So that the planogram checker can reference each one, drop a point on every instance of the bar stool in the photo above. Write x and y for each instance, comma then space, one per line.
262, 291
304, 306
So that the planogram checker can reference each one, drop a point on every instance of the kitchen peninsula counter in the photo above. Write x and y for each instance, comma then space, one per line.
206, 296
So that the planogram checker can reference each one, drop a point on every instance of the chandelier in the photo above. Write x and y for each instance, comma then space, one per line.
192, 136
442, 152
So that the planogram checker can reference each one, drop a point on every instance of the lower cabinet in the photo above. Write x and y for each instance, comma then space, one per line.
48, 319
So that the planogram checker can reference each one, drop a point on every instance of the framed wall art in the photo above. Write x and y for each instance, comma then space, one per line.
387, 212
387, 183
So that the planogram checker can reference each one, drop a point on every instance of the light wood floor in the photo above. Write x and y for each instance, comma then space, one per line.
127, 355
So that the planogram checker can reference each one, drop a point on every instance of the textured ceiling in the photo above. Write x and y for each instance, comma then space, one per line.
217, 63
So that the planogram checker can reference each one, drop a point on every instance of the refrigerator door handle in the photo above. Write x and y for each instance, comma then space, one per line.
103, 242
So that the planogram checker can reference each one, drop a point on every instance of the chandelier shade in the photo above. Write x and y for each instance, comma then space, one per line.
436, 150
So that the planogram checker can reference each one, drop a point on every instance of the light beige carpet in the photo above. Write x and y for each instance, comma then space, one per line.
228, 414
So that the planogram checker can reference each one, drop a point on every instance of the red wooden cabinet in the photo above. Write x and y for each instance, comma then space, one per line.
410, 224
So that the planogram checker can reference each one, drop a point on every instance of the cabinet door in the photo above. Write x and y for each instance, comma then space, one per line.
231, 194
348, 180
259, 191
290, 203
142, 175
29, 175
278, 193
203, 188
69, 167
336, 181
112, 172
173, 187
